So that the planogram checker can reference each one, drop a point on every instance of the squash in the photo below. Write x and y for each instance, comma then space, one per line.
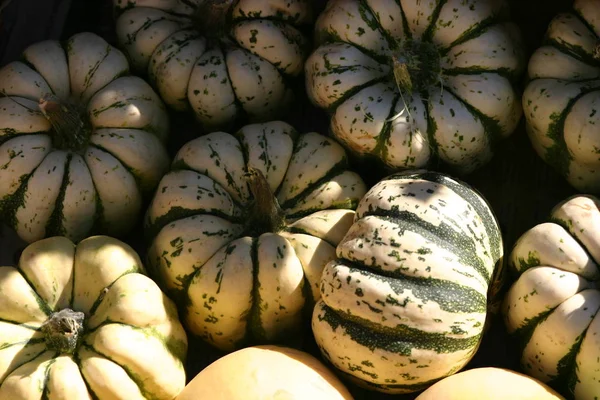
489, 383
553, 307
560, 100
81, 141
407, 82
405, 302
225, 60
242, 226
85, 322
266, 372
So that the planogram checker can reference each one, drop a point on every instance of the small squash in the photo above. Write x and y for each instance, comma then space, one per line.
242, 226
83, 322
405, 302
81, 141
553, 308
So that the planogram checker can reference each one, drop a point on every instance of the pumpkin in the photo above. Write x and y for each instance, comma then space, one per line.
242, 226
552, 308
84, 322
560, 100
81, 141
489, 383
405, 302
266, 372
226, 60
406, 82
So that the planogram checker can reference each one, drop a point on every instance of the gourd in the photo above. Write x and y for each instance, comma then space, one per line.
552, 308
81, 141
405, 302
241, 227
489, 383
409, 82
560, 100
85, 322
266, 372
225, 60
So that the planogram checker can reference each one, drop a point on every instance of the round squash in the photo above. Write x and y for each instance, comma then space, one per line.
553, 307
406, 82
489, 384
405, 302
560, 100
81, 142
226, 60
84, 322
243, 225
266, 373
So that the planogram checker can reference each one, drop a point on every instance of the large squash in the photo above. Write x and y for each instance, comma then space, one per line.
408, 81
227, 60
561, 99
81, 141
405, 302
553, 309
83, 322
243, 225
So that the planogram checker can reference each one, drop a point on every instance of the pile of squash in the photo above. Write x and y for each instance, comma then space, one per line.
271, 258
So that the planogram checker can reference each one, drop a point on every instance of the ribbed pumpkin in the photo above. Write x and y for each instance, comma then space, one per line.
405, 302
243, 225
227, 60
553, 307
561, 99
81, 142
84, 322
409, 81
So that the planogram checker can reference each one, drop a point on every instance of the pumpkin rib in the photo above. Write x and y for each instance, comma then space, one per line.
427, 35
54, 224
573, 52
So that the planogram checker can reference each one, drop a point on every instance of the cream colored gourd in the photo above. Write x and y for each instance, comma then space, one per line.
553, 308
226, 60
81, 141
84, 322
242, 226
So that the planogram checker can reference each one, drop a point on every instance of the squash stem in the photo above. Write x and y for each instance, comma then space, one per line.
212, 18
63, 331
416, 66
72, 128
264, 213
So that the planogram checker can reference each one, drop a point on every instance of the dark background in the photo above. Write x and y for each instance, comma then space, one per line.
519, 186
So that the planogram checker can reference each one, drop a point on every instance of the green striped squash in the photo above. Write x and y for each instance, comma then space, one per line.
81, 141
553, 308
408, 82
405, 302
225, 60
561, 99
242, 226
83, 322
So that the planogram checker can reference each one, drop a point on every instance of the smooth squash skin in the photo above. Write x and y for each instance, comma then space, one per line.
489, 384
266, 373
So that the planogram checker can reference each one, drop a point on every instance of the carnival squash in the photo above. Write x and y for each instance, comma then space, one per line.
227, 60
405, 302
408, 81
553, 307
84, 322
81, 141
561, 99
243, 225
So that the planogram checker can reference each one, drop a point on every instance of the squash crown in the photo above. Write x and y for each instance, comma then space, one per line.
416, 66
72, 127
63, 330
212, 17
264, 213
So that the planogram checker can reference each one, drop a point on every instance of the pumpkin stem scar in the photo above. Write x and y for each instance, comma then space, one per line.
63, 330
212, 17
264, 213
416, 66
72, 127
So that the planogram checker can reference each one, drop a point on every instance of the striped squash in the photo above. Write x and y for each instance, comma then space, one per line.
83, 322
405, 302
81, 141
243, 225
225, 60
553, 308
561, 99
407, 82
